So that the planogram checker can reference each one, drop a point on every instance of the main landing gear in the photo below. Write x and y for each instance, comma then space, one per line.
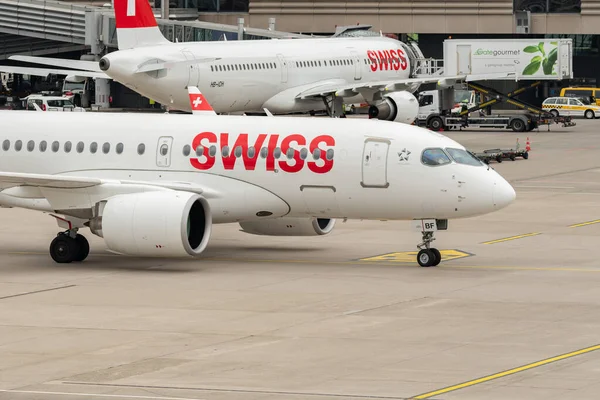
69, 246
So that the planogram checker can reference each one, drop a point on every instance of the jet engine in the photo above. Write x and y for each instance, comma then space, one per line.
396, 106
169, 223
289, 226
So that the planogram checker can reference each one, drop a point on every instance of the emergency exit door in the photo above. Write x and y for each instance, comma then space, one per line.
374, 163
463, 58
284, 68
163, 151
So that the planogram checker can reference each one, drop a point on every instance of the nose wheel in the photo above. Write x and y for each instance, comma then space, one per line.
428, 256
69, 246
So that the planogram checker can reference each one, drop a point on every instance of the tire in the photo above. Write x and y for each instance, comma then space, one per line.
589, 114
499, 159
436, 123
525, 156
84, 248
438, 257
63, 249
426, 258
512, 157
554, 113
518, 125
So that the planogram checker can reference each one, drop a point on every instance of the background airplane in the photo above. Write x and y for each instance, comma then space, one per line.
284, 76
150, 192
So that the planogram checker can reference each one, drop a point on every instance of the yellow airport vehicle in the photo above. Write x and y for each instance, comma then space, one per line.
571, 106
583, 91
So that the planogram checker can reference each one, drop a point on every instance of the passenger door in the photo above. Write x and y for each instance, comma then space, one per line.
357, 66
576, 107
284, 69
374, 163
193, 69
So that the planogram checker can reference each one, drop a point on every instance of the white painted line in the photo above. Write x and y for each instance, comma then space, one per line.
121, 396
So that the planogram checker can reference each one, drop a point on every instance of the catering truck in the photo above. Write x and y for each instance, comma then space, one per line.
528, 59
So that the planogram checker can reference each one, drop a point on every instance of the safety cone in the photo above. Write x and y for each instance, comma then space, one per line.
528, 146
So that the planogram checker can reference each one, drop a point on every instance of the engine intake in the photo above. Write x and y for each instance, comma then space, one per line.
154, 223
289, 226
396, 106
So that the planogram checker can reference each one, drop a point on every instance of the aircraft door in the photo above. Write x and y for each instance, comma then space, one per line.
357, 66
193, 69
463, 58
163, 151
284, 68
374, 163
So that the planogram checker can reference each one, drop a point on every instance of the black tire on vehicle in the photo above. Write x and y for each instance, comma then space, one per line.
518, 125
525, 156
554, 113
589, 114
436, 123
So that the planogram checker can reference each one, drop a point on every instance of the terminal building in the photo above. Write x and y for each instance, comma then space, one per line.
85, 29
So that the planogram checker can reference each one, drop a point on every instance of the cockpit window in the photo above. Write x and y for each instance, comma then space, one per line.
435, 157
464, 157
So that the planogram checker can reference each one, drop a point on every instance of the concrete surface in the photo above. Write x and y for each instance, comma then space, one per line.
304, 318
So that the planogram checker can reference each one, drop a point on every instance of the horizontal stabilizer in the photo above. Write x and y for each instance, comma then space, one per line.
47, 71
60, 62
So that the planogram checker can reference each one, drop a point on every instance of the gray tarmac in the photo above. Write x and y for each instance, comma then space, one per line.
349, 315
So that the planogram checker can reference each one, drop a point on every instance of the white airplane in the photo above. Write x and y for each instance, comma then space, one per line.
283, 76
153, 185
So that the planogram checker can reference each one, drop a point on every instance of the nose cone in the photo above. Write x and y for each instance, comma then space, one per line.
503, 193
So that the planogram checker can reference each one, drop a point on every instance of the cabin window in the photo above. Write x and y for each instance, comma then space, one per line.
304, 153
277, 152
251, 152
264, 152
119, 148
55, 146
238, 151
464, 157
211, 68
225, 151
141, 148
435, 157
212, 151
67, 147
106, 148
199, 151
30, 145
6, 145
329, 154
43, 146
290, 153
316, 154
18, 145
187, 150
80, 147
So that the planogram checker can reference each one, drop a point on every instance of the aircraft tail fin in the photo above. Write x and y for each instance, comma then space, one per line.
199, 104
136, 25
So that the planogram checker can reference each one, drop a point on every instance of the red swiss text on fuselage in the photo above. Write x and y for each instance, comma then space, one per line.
387, 60
273, 148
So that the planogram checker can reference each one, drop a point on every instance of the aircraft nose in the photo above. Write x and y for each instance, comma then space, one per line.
503, 193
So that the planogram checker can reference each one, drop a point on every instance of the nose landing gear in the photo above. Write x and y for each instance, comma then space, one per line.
69, 246
428, 256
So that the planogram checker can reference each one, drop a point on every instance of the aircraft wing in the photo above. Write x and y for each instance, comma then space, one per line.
47, 71
351, 90
91, 66
12, 179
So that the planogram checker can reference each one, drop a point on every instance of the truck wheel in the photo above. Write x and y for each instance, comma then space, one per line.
517, 125
525, 156
589, 114
436, 123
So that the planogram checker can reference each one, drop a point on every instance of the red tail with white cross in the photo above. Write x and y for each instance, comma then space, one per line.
136, 25
199, 103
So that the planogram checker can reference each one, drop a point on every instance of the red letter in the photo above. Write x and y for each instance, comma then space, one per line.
382, 60
395, 60
285, 146
327, 164
373, 59
403, 63
241, 142
270, 157
197, 142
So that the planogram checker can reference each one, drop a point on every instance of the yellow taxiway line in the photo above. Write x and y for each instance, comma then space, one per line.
585, 224
507, 372
512, 238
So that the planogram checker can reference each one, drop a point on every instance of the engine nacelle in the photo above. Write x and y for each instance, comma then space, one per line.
170, 224
289, 226
396, 106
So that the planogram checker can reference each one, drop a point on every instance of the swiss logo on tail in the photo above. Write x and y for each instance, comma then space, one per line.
136, 25
199, 103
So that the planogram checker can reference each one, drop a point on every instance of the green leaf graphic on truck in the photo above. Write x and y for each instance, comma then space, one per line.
546, 61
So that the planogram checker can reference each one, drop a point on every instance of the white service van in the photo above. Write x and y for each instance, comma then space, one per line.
50, 103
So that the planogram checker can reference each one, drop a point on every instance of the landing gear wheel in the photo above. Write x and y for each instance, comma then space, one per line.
426, 258
438, 257
64, 249
84, 248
